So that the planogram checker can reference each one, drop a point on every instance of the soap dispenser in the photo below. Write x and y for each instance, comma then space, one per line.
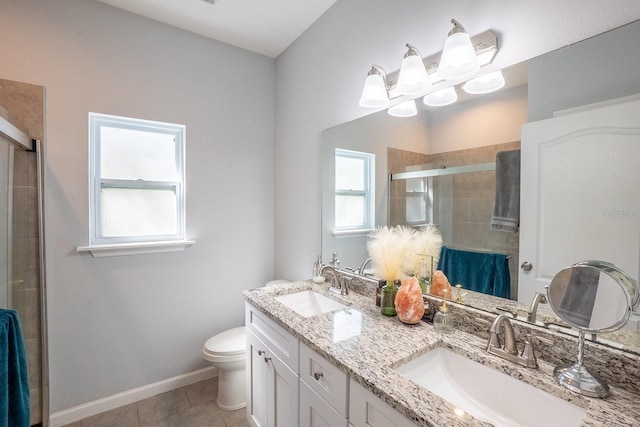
317, 267
443, 319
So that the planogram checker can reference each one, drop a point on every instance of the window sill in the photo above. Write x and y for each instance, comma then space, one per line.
352, 233
98, 251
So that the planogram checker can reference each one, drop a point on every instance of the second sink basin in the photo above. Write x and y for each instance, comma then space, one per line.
309, 303
489, 395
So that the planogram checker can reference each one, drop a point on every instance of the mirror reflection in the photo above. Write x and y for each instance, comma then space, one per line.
588, 298
469, 132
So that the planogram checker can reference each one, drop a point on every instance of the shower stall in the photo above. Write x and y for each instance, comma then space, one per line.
21, 246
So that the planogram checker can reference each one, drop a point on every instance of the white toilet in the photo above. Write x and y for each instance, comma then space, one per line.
227, 352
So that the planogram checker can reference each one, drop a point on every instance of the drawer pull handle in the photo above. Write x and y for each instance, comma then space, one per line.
261, 352
267, 359
317, 375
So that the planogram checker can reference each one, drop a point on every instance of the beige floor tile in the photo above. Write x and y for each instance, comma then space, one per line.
162, 406
235, 418
125, 416
202, 392
206, 415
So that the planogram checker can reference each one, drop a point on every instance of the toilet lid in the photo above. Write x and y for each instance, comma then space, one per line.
233, 341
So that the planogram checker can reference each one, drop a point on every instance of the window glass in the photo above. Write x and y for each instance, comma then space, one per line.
134, 154
138, 212
350, 211
350, 173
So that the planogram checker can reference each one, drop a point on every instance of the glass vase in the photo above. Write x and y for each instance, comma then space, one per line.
388, 298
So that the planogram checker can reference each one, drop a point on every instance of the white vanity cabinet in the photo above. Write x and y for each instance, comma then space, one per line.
290, 385
323, 391
368, 410
272, 373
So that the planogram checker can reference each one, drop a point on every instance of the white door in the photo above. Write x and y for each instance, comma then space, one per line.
580, 192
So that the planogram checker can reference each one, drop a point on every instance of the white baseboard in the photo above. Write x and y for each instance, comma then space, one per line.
108, 403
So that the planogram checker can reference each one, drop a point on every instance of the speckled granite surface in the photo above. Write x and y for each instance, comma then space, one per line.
368, 346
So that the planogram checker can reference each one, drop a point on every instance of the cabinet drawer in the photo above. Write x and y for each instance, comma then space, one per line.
324, 378
316, 412
280, 342
368, 410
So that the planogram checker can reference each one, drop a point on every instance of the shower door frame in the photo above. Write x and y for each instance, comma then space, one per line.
20, 140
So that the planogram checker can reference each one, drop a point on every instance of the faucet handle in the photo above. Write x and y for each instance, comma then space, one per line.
528, 355
494, 340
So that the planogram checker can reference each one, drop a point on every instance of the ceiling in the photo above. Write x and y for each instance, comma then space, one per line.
263, 27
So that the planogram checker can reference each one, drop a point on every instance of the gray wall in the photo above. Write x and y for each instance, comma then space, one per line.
586, 73
320, 77
124, 322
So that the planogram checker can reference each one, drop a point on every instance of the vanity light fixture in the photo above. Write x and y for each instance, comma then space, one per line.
458, 60
413, 78
487, 83
441, 97
417, 74
404, 109
375, 93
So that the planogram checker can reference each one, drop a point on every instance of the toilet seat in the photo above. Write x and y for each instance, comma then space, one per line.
226, 346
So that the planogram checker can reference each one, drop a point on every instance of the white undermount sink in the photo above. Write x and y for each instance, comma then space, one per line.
488, 395
309, 303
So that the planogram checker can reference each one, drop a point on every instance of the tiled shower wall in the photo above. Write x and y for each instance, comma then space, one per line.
462, 204
24, 104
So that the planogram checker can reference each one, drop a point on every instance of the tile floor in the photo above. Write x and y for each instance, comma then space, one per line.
190, 406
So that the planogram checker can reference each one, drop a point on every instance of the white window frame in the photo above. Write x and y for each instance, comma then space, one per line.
100, 245
368, 194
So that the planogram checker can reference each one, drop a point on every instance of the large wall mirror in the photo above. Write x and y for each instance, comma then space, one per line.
471, 132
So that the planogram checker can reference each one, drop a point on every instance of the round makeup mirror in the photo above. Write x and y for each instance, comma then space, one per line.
594, 297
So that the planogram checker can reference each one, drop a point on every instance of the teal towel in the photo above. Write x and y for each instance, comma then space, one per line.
477, 271
14, 381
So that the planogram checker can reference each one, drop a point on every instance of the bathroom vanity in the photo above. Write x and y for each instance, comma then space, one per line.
345, 366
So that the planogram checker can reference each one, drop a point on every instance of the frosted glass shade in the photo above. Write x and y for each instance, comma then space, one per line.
404, 109
488, 83
441, 98
374, 93
413, 78
458, 60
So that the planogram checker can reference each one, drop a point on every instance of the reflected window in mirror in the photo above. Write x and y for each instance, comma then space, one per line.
354, 190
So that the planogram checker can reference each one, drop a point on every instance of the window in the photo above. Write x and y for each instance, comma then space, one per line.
136, 181
354, 191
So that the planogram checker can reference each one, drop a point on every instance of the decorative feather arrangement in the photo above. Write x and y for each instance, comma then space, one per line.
426, 242
388, 249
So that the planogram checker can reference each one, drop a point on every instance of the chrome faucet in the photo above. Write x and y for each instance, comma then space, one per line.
364, 266
538, 298
336, 284
509, 350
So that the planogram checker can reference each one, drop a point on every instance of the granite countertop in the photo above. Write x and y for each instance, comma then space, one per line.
369, 346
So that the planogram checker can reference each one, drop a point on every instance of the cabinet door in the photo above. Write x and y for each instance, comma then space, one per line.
283, 393
257, 385
272, 388
315, 411
579, 192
